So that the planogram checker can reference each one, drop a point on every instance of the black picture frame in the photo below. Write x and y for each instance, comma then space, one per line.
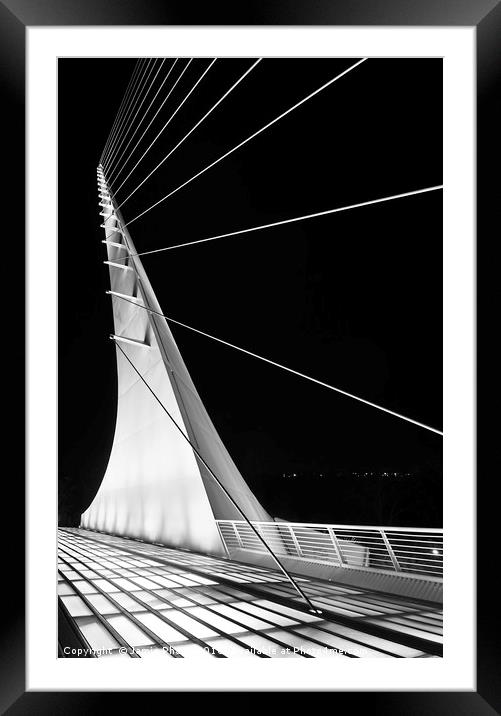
485, 16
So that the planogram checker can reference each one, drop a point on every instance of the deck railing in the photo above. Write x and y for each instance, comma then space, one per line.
403, 550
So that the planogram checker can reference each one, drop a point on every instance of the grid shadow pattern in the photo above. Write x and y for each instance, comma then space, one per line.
130, 599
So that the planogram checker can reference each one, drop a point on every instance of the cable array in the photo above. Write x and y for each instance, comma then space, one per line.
117, 154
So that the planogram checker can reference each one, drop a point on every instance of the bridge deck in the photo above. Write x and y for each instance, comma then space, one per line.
127, 598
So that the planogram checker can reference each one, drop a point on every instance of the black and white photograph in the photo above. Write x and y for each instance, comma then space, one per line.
250, 357
251, 246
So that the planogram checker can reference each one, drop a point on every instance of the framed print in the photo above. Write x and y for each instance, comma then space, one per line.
251, 321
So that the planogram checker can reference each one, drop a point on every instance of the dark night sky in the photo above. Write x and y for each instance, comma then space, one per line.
353, 299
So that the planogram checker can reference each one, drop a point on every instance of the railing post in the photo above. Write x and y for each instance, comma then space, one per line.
237, 535
388, 546
223, 539
259, 529
337, 548
295, 542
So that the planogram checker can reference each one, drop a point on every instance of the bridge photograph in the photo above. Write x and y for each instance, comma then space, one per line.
250, 358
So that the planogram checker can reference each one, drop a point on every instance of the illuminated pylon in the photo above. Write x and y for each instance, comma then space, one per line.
154, 487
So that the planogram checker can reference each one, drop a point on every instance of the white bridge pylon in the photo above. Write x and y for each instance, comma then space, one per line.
154, 487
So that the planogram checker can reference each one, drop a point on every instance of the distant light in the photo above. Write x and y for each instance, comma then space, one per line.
435, 551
